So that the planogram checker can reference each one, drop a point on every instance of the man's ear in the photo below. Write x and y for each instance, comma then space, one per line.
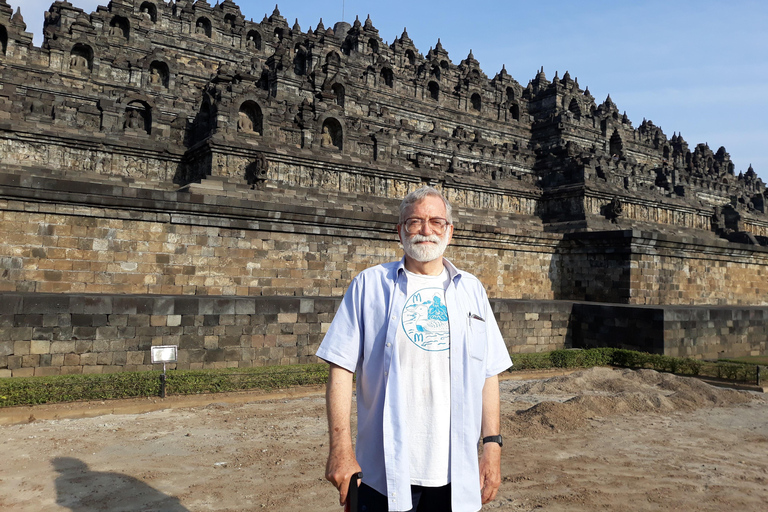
399, 233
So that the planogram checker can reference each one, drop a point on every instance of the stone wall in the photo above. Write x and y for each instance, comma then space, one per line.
119, 240
53, 334
700, 332
715, 332
43, 334
534, 325
178, 151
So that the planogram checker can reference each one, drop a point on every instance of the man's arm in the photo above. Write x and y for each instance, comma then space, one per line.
490, 460
342, 463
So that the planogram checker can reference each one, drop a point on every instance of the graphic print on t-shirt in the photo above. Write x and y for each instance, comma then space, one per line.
425, 319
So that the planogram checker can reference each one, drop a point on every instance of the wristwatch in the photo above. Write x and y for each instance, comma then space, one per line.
493, 439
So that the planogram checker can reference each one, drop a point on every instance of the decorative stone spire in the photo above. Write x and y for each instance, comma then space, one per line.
357, 23
296, 27
404, 37
320, 27
368, 23
18, 19
276, 18
439, 46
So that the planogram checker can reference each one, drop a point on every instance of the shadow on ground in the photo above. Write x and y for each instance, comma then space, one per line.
80, 489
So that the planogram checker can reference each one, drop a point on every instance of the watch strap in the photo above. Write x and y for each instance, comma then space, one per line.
493, 439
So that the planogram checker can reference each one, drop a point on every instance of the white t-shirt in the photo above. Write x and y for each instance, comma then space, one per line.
423, 341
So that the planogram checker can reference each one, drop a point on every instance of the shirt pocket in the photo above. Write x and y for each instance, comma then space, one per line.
476, 337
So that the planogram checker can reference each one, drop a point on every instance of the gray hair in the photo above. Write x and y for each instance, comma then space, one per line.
419, 194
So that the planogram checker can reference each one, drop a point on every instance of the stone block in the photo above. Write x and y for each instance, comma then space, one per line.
162, 306
245, 307
84, 333
44, 372
30, 360
88, 359
186, 306
62, 347
45, 304
135, 357
71, 359
21, 348
40, 347
10, 304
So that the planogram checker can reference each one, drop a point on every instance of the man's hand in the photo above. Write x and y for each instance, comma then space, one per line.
490, 461
490, 472
339, 469
342, 463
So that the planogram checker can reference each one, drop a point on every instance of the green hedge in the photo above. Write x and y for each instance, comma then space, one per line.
728, 370
67, 388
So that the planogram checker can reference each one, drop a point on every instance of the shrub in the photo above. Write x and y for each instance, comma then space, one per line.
67, 388
535, 361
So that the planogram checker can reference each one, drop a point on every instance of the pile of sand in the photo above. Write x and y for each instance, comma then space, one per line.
569, 402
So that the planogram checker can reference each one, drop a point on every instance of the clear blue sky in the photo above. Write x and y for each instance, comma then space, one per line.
699, 68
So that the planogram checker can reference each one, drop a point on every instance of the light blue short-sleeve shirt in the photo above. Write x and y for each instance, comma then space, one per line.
361, 339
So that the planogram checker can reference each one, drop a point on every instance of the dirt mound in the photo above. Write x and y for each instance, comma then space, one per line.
568, 402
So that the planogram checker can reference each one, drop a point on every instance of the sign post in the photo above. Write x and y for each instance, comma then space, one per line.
164, 354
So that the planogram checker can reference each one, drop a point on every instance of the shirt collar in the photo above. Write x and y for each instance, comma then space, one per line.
453, 273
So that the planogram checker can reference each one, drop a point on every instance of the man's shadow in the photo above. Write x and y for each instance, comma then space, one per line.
81, 490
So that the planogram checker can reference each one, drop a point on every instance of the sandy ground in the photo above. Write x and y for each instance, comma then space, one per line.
598, 439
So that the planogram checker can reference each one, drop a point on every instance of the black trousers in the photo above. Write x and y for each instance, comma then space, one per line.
425, 499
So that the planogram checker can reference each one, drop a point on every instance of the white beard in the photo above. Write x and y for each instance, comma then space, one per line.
424, 252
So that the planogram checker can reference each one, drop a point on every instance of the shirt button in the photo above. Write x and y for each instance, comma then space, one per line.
389, 344
386, 373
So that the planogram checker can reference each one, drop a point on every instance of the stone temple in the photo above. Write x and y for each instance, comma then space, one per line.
174, 174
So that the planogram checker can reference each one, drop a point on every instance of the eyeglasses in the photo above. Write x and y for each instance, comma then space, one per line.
437, 225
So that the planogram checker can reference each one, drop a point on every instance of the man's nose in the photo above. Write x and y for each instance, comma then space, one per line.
426, 228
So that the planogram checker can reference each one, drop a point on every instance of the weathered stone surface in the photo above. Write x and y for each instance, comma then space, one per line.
181, 175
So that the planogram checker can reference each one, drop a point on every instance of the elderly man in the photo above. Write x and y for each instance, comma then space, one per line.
422, 338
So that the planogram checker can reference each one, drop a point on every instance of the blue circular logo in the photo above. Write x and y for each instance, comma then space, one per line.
425, 319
